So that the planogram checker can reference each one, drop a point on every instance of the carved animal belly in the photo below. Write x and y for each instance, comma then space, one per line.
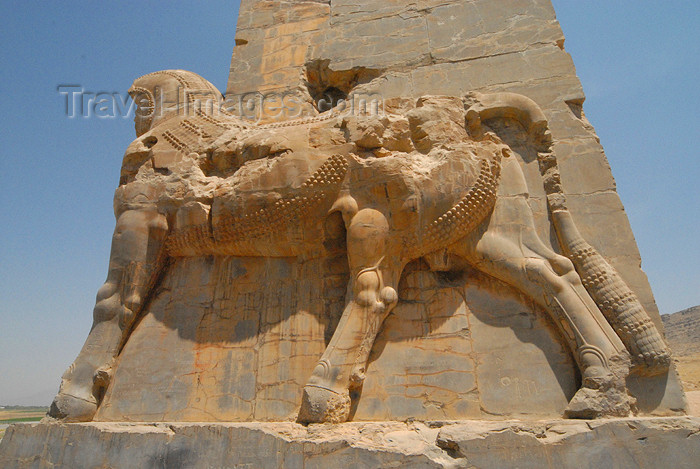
430, 201
424, 216
254, 224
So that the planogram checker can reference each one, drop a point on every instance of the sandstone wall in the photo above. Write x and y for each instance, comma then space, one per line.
235, 339
448, 48
454, 348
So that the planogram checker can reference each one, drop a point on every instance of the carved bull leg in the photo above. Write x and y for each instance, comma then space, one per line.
136, 253
508, 248
372, 296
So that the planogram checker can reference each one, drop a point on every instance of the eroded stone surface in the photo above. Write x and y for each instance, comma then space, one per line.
645, 443
408, 263
617, 443
428, 362
460, 47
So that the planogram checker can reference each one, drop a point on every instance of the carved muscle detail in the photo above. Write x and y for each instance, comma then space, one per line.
463, 217
239, 235
321, 186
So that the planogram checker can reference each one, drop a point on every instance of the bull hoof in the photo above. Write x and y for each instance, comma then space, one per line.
590, 403
603, 392
70, 408
321, 405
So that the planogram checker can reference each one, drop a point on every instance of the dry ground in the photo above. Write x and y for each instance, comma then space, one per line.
22, 415
693, 402
689, 370
28, 414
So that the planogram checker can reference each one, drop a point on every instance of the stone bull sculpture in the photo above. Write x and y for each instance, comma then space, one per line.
428, 179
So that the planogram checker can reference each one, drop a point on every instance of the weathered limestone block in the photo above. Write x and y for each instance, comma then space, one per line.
229, 339
615, 443
441, 357
436, 238
481, 46
644, 443
211, 364
256, 259
184, 330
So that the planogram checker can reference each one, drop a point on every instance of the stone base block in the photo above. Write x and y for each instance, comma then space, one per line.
640, 443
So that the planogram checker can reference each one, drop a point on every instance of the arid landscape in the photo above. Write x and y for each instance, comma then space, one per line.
15, 414
689, 369
683, 335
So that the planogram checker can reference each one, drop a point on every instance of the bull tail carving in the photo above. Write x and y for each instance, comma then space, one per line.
616, 300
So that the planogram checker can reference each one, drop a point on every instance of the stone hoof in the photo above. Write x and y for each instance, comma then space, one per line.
590, 403
603, 392
595, 377
321, 405
70, 408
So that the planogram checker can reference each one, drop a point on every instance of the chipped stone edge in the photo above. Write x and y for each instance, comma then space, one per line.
435, 443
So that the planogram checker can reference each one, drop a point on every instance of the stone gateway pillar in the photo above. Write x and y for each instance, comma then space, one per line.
396, 223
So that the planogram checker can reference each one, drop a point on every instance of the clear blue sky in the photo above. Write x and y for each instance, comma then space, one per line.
638, 61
